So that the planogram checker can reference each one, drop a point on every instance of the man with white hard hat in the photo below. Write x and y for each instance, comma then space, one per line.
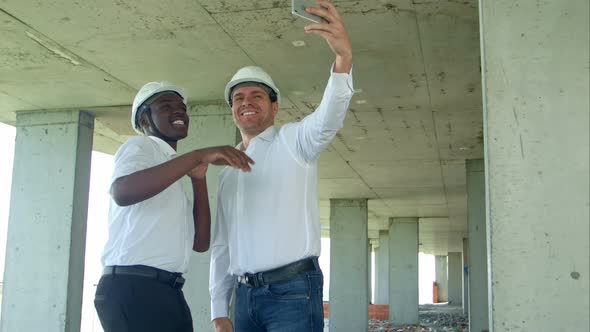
152, 224
267, 236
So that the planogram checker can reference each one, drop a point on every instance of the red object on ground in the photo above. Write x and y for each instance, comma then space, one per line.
376, 311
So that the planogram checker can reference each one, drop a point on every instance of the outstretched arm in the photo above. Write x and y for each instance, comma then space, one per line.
334, 32
144, 184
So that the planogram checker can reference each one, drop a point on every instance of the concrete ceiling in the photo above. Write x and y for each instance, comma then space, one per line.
416, 115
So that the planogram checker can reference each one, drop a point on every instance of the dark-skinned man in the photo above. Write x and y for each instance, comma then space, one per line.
153, 226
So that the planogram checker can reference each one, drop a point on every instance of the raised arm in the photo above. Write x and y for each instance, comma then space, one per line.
314, 133
334, 32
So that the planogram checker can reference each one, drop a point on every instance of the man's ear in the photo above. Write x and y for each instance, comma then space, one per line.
144, 123
275, 107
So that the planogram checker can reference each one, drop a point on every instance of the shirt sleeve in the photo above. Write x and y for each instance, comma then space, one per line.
220, 281
315, 132
131, 157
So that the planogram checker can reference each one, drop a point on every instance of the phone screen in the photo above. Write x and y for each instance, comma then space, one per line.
298, 9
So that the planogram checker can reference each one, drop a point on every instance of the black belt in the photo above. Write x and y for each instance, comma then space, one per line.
174, 280
282, 273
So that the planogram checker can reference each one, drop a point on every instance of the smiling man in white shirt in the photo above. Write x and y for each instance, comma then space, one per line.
267, 237
152, 224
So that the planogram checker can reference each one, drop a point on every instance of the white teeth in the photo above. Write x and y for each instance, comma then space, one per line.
178, 122
248, 113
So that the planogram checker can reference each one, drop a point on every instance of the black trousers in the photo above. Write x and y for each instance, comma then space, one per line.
127, 303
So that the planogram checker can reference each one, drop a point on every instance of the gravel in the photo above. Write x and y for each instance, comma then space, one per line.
433, 318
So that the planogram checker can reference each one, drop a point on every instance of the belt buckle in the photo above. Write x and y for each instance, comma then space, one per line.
249, 280
178, 282
243, 279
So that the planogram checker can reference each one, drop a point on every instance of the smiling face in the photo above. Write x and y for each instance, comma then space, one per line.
169, 116
252, 110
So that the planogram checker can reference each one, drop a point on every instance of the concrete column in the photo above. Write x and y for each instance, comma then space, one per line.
382, 270
442, 278
536, 125
403, 271
369, 269
478, 270
210, 125
455, 280
44, 271
465, 277
349, 299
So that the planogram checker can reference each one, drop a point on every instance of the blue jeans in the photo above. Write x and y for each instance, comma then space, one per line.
294, 305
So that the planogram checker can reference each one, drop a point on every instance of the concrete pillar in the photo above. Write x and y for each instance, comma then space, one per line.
210, 125
465, 277
403, 271
478, 270
455, 280
369, 269
349, 299
46, 239
441, 272
536, 125
382, 269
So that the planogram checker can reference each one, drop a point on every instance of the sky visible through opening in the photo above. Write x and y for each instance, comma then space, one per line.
101, 170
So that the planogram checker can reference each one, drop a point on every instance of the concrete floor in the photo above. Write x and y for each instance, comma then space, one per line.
433, 318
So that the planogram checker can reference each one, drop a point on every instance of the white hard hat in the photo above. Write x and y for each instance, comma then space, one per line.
148, 90
250, 74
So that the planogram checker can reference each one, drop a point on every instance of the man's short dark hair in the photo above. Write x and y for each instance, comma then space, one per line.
271, 93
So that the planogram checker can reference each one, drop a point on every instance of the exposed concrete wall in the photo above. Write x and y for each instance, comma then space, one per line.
210, 125
442, 277
478, 270
466, 277
455, 268
382, 270
403, 271
47, 225
536, 122
369, 268
349, 297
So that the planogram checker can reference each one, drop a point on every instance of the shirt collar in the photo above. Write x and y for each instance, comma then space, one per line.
165, 147
268, 134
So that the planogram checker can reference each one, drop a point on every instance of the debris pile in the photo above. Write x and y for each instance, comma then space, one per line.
433, 318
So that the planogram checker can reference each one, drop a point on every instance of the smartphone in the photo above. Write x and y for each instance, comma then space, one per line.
298, 9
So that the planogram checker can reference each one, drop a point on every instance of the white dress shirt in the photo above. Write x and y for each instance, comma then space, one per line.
158, 231
270, 217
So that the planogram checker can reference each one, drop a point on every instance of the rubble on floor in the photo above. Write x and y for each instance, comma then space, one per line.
433, 318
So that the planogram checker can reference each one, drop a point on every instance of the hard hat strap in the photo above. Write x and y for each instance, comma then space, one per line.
155, 129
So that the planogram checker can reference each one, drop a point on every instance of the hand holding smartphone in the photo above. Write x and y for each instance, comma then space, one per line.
298, 9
